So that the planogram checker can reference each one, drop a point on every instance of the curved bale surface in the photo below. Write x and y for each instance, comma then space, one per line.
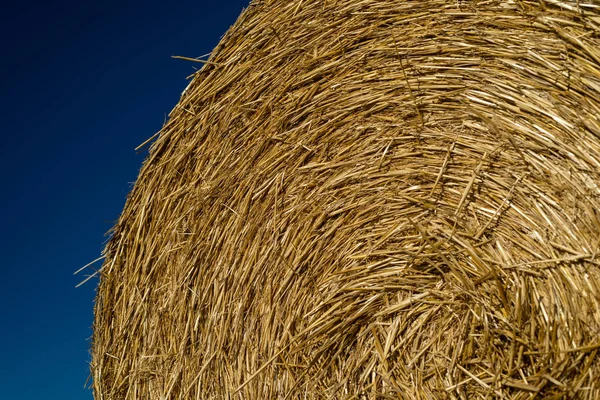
368, 200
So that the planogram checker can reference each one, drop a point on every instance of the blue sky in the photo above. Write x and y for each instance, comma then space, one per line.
82, 85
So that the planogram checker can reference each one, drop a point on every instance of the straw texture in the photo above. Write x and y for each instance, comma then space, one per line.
368, 200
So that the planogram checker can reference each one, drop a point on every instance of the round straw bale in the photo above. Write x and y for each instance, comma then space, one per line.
368, 199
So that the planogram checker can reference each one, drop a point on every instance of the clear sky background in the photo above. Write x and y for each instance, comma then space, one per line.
82, 84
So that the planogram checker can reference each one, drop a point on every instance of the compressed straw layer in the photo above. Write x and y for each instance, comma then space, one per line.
368, 200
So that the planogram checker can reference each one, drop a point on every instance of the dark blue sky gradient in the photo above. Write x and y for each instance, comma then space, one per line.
82, 84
